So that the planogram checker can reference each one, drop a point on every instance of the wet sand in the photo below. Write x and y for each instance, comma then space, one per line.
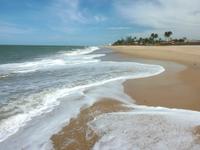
177, 87
171, 89
178, 90
77, 135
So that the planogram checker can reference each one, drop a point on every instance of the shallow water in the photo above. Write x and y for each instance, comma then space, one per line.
41, 92
147, 128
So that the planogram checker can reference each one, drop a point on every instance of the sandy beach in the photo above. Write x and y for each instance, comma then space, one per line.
178, 87
170, 89
182, 54
74, 136
100, 75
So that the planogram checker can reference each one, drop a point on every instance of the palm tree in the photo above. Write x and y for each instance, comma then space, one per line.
140, 41
129, 40
119, 42
168, 34
153, 37
156, 36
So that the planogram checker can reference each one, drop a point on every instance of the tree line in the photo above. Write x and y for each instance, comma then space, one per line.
153, 39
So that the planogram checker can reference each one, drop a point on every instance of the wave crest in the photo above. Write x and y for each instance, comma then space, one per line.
51, 62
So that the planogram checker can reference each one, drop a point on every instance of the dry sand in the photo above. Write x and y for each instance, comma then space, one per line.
182, 54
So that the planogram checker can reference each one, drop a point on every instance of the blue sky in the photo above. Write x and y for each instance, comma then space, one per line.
94, 22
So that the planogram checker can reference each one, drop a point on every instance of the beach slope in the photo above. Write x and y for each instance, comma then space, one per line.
183, 54
175, 88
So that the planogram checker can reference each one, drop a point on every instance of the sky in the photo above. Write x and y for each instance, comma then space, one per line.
95, 22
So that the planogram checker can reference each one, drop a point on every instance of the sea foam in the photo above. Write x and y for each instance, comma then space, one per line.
74, 57
147, 128
100, 75
48, 100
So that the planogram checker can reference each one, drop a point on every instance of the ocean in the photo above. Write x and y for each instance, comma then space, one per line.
43, 87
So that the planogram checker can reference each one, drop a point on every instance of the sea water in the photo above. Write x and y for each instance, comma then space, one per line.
43, 87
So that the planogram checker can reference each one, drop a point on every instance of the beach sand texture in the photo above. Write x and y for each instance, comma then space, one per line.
175, 88
170, 89
182, 54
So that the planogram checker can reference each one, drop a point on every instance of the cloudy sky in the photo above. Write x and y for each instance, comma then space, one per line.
94, 22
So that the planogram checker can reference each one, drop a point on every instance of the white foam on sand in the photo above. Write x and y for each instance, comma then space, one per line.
52, 123
57, 106
49, 99
37, 132
147, 128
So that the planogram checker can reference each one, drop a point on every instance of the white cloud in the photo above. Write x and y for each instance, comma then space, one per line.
118, 28
70, 11
100, 18
180, 16
13, 29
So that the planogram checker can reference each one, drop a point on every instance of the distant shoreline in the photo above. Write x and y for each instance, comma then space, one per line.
155, 40
187, 54
166, 44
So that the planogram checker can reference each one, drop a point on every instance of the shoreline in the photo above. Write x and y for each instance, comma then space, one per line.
189, 55
150, 91
75, 134
170, 89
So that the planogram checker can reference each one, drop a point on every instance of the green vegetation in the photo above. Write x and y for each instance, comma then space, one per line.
153, 39
168, 34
